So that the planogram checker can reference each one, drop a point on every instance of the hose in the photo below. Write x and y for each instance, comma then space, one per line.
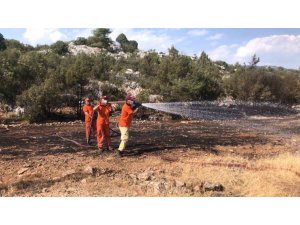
73, 141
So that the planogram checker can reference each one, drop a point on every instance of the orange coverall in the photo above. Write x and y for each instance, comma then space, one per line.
89, 109
103, 131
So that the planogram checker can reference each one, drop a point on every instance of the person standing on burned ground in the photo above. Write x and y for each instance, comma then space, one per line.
128, 110
103, 132
88, 113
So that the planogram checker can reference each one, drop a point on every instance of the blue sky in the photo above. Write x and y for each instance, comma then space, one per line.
278, 47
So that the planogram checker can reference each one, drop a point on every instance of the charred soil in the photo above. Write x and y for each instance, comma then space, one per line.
163, 158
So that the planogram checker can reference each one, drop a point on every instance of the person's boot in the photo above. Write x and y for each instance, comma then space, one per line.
100, 150
119, 154
108, 148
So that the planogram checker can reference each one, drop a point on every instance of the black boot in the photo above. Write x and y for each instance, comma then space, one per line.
100, 150
119, 154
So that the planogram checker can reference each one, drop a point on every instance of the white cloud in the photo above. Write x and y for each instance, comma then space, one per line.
279, 50
214, 37
283, 44
197, 32
43, 36
214, 43
148, 39
223, 52
82, 33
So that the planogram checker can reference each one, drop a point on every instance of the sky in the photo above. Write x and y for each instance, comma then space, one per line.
274, 46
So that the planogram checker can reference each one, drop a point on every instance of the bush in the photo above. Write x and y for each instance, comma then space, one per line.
143, 96
100, 38
126, 45
112, 92
2, 43
259, 84
60, 48
40, 100
80, 41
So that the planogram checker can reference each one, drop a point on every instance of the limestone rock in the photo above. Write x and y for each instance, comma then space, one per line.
90, 170
197, 188
159, 187
208, 186
179, 183
77, 49
145, 176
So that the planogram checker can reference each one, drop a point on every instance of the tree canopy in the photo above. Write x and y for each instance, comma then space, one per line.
45, 78
100, 38
126, 45
2, 43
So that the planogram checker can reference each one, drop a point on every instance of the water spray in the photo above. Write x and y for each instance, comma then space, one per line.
261, 117
214, 110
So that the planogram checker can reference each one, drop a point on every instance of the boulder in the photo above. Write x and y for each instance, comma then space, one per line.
90, 170
131, 87
179, 183
155, 98
208, 186
77, 49
129, 71
159, 187
19, 111
197, 188
145, 176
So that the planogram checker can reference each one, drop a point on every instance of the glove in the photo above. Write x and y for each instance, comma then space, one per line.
136, 105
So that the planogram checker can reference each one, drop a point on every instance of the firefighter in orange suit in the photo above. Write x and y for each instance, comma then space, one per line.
103, 132
128, 110
88, 112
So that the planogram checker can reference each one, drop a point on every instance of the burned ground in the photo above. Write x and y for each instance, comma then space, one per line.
164, 158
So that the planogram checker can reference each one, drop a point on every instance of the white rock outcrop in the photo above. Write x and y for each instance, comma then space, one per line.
132, 88
77, 49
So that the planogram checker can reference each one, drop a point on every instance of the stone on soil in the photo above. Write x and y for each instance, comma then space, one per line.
23, 170
208, 186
